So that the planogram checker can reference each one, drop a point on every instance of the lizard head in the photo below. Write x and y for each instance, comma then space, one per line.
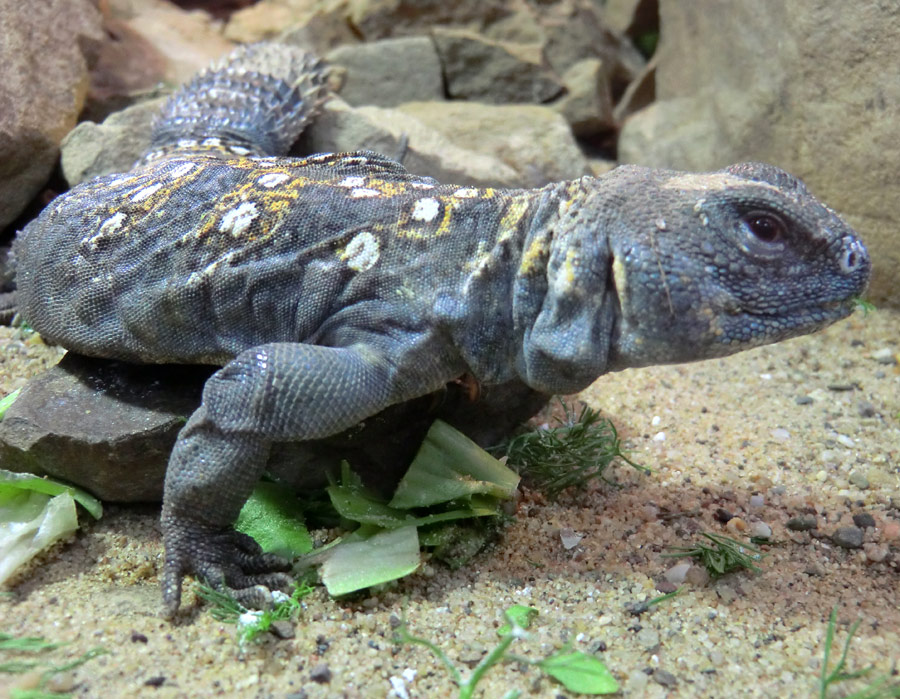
708, 264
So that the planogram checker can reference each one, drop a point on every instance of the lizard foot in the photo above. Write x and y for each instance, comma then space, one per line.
228, 560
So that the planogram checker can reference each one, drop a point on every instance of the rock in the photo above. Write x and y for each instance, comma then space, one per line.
664, 678
773, 81
648, 639
154, 41
321, 673
115, 145
587, 104
389, 72
677, 573
575, 29
639, 93
430, 153
848, 537
498, 72
532, 140
106, 426
630, 17
45, 52
864, 520
760, 530
109, 427
802, 523
875, 553
858, 479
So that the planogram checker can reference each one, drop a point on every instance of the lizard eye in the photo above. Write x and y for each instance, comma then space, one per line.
765, 227
764, 233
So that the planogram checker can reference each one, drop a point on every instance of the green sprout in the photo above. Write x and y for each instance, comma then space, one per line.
866, 307
33, 645
251, 623
571, 454
874, 690
724, 556
576, 671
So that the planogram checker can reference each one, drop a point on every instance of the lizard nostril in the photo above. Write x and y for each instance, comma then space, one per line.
853, 258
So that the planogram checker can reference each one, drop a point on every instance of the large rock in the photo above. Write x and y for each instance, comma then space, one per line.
811, 87
109, 427
534, 141
388, 72
44, 85
484, 70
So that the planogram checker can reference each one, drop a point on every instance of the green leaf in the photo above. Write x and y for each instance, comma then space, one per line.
30, 522
273, 517
580, 673
7, 401
10, 482
357, 563
521, 615
450, 466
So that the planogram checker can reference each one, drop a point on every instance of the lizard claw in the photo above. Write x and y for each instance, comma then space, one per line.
228, 560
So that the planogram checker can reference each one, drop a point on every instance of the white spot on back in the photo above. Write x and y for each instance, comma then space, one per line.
361, 192
108, 227
182, 170
213, 142
362, 252
238, 220
273, 179
466, 192
352, 182
239, 150
142, 194
426, 209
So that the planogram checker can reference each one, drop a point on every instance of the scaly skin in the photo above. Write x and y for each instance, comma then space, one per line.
332, 287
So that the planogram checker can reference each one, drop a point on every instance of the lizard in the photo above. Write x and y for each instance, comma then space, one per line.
331, 287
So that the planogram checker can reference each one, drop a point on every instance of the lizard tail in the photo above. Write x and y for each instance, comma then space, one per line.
254, 101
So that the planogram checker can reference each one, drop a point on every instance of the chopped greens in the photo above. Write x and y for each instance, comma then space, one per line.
724, 556
34, 514
578, 450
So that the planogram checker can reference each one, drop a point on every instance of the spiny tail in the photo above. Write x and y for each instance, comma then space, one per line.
254, 101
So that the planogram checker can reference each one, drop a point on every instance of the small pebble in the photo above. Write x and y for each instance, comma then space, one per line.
875, 553
884, 356
803, 400
846, 441
814, 569
865, 409
781, 434
722, 515
655, 421
736, 525
157, 681
858, 479
848, 537
659, 437
648, 638
570, 538
890, 531
281, 628
61, 682
666, 587
757, 501
664, 677
864, 520
321, 673
803, 523
760, 530
137, 637
698, 576
677, 573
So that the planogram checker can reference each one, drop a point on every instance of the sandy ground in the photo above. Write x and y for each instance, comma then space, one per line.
715, 433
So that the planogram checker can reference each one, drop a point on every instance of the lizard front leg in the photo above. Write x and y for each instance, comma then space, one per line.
274, 392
